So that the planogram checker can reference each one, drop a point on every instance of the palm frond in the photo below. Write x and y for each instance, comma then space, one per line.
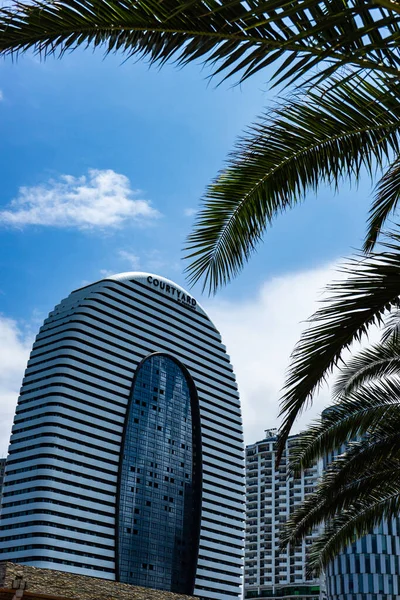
391, 329
368, 409
329, 501
376, 454
361, 486
233, 35
371, 289
373, 363
380, 452
368, 468
386, 201
327, 135
352, 524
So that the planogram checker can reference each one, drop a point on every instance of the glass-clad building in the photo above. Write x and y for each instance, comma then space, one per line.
369, 569
126, 455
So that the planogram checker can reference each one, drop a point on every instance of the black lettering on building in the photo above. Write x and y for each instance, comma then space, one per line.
182, 298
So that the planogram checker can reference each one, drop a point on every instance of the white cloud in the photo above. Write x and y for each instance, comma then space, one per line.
103, 273
260, 333
1, 96
100, 199
153, 261
133, 259
15, 346
190, 212
157, 262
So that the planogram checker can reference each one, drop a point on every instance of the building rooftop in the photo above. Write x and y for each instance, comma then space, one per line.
31, 583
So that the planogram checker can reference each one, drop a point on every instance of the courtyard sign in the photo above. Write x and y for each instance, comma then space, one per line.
180, 296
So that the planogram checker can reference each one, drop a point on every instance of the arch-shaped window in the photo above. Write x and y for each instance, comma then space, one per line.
159, 483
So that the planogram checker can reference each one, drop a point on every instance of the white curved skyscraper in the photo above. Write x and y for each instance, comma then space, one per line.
126, 455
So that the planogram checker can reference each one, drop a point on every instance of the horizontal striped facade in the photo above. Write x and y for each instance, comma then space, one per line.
59, 498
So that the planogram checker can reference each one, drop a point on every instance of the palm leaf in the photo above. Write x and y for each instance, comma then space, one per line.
377, 454
373, 363
323, 137
368, 471
329, 501
234, 35
391, 330
370, 408
361, 487
386, 201
371, 289
352, 524
380, 446
312, 38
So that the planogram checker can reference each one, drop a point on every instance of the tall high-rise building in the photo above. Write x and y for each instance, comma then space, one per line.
271, 495
126, 454
2, 468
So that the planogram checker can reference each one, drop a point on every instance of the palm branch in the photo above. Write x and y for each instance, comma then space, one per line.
358, 490
371, 290
349, 512
370, 408
233, 35
380, 361
391, 329
361, 487
386, 200
353, 523
375, 455
324, 136
333, 499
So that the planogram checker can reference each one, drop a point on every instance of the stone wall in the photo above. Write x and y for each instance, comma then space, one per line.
75, 587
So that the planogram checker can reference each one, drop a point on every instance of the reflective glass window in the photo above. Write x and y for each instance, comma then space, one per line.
161, 445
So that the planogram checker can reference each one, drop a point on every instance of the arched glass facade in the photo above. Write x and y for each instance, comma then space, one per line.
160, 479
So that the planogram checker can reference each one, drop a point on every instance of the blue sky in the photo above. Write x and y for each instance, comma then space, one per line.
152, 139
